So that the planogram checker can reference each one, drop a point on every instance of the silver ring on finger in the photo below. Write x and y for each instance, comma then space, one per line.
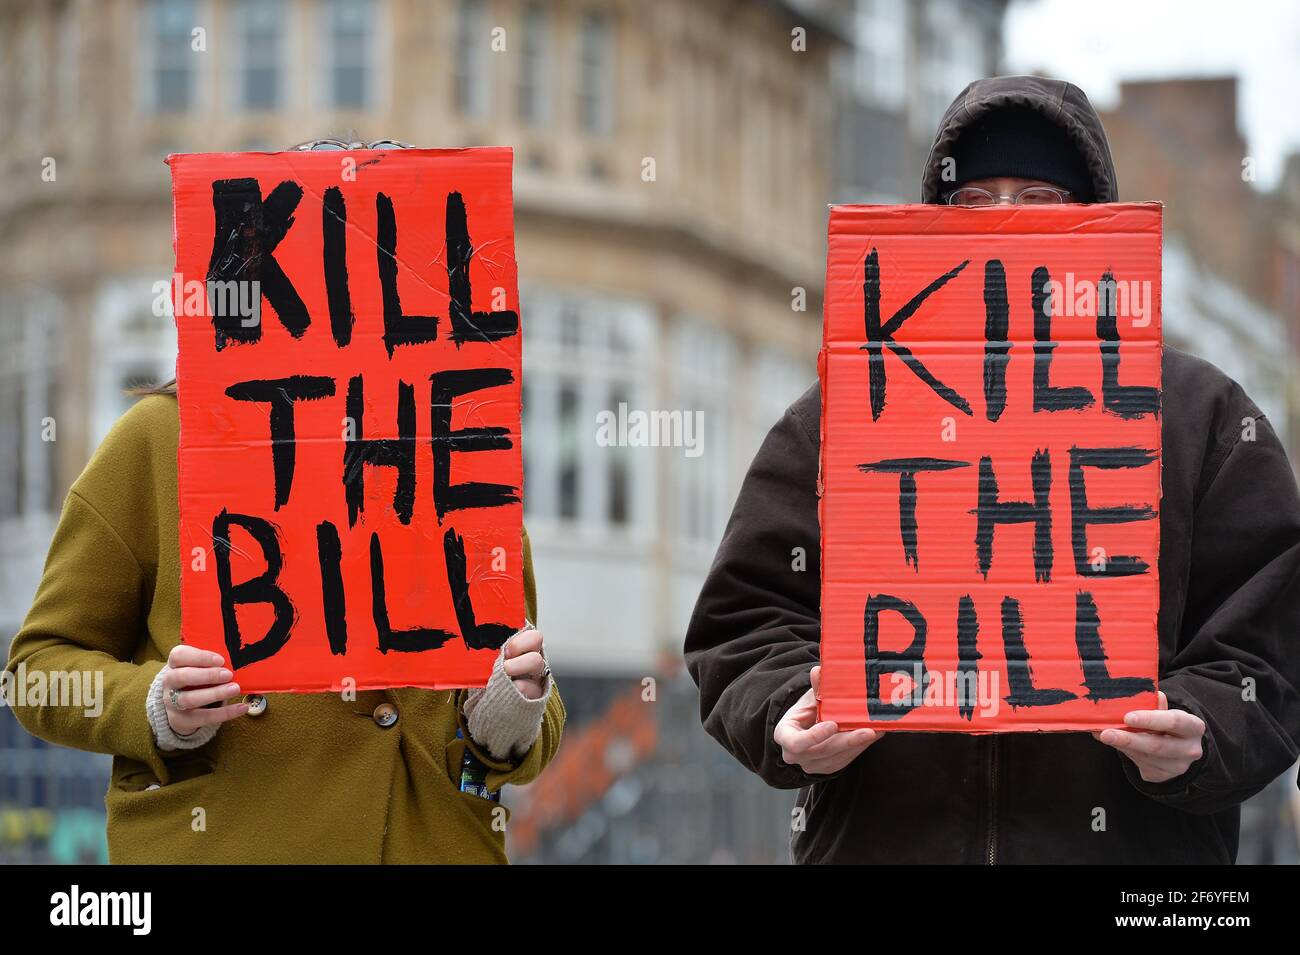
546, 672
175, 697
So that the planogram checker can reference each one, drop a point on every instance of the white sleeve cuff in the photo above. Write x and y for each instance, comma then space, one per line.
500, 718
164, 736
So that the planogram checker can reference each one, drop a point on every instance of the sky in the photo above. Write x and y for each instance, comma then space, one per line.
1097, 43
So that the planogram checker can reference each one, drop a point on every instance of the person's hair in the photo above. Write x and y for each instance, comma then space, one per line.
141, 391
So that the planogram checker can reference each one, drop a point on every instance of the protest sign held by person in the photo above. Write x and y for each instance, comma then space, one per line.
373, 411
330, 536
990, 467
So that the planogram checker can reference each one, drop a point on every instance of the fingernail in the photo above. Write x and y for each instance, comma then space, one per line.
232, 688
224, 675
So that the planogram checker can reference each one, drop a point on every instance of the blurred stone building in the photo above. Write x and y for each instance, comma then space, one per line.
672, 166
1231, 281
907, 62
1230, 291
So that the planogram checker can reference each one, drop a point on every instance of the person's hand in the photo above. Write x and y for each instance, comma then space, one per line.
818, 748
525, 663
193, 679
1162, 743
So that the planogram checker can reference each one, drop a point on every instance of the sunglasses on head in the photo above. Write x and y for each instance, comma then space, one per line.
326, 144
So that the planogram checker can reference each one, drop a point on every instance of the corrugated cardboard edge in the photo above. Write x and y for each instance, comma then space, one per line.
172, 161
821, 445
835, 211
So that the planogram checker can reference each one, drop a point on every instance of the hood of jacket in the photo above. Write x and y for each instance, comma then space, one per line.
1058, 101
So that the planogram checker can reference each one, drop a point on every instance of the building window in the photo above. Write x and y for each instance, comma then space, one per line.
28, 391
349, 44
587, 359
880, 68
31, 62
596, 74
703, 362
172, 82
569, 444
13, 478
261, 47
757, 179
473, 78
534, 89
69, 78
134, 347
618, 503
953, 41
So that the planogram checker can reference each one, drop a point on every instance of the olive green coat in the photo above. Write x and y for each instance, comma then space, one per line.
313, 778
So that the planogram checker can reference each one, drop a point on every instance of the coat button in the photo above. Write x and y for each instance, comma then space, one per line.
385, 715
256, 705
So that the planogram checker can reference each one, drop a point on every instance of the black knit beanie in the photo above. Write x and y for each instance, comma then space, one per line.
1018, 141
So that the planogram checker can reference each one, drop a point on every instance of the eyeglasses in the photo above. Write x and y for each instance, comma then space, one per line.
320, 144
1032, 196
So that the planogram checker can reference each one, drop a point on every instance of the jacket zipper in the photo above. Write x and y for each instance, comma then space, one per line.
991, 846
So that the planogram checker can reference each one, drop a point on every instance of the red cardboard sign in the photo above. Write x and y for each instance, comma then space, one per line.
349, 385
990, 466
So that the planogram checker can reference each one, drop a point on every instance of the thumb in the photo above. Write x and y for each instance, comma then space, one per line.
1162, 700
817, 682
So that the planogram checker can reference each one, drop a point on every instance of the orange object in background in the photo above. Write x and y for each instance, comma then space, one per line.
349, 384
990, 466
594, 757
